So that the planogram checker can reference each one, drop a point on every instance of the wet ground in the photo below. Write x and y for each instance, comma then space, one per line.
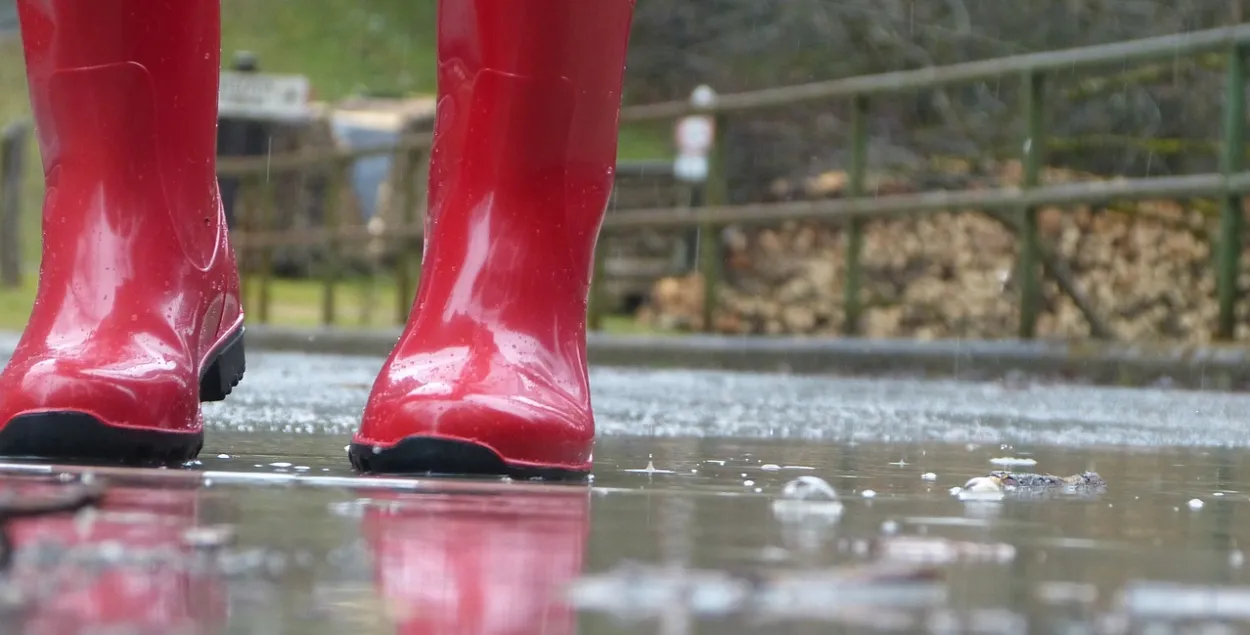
688, 526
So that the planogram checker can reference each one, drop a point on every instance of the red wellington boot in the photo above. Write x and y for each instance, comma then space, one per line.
137, 316
490, 374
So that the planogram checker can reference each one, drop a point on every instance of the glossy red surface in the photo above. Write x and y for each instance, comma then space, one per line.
138, 281
123, 567
478, 564
522, 167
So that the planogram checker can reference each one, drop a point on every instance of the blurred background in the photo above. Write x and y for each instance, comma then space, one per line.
853, 182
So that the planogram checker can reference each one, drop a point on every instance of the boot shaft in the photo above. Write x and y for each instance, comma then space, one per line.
124, 97
524, 154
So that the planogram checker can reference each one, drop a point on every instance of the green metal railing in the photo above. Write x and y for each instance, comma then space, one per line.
1230, 184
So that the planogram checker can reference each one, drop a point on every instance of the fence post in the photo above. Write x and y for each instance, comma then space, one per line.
267, 219
1032, 158
704, 99
1232, 156
12, 152
855, 230
336, 186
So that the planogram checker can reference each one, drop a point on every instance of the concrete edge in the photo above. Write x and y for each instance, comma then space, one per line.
1211, 367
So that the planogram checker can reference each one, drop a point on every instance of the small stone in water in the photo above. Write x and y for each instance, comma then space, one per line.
807, 497
1195, 504
982, 484
808, 488
928, 476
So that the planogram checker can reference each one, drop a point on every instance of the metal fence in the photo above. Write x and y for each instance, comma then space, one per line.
1016, 206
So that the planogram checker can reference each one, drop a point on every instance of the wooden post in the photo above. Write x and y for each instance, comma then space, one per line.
331, 267
12, 151
410, 195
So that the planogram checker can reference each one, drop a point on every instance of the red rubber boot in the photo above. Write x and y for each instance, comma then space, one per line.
137, 316
490, 374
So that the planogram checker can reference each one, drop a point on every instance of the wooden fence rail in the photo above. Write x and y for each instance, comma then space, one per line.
1018, 205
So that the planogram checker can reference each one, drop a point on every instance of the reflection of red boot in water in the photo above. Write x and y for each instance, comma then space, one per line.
490, 375
124, 571
137, 317
478, 564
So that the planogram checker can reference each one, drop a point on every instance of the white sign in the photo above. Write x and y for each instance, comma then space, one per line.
692, 168
695, 134
263, 96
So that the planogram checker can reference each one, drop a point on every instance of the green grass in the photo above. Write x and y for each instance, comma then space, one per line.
359, 303
344, 47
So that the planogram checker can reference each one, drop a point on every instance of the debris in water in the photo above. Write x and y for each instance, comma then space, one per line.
983, 485
922, 549
1177, 601
980, 488
650, 469
1013, 462
994, 484
807, 496
636, 590
208, 537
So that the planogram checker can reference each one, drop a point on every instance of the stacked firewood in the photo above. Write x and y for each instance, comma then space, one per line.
1144, 269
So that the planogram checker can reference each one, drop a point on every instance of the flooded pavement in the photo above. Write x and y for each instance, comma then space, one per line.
705, 515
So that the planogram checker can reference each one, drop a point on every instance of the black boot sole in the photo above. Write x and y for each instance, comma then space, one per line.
77, 437
427, 456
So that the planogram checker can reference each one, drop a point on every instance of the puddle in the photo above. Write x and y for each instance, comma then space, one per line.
716, 534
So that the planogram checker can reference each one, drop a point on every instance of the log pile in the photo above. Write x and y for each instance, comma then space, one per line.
1145, 268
